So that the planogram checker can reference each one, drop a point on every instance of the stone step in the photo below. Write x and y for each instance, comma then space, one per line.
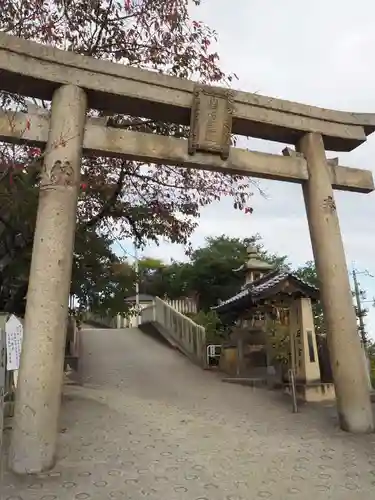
252, 382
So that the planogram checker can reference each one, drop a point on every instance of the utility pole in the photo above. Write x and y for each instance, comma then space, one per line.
136, 282
360, 312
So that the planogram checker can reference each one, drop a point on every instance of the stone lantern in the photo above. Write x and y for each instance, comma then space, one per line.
254, 267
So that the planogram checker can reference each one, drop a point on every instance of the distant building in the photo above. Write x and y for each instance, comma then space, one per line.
145, 300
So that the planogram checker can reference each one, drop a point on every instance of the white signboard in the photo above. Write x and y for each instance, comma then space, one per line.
14, 335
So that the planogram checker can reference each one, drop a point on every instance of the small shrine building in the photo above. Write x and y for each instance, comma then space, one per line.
273, 329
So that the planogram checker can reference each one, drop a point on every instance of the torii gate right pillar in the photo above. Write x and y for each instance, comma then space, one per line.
349, 371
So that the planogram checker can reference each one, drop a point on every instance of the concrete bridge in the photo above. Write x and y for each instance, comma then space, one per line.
147, 422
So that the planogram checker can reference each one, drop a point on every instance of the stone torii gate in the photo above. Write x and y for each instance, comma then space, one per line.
75, 83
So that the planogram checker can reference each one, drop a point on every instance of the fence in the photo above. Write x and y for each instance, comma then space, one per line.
177, 329
106, 321
184, 306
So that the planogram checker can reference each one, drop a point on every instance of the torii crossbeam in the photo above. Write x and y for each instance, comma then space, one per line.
75, 83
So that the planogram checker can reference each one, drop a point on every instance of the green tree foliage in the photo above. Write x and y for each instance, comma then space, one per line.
147, 201
213, 275
99, 280
135, 200
210, 274
278, 340
18, 202
160, 279
308, 274
216, 332
152, 275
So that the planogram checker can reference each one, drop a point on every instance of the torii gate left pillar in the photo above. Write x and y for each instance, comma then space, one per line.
38, 397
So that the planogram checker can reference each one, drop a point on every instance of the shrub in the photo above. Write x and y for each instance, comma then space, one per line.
215, 330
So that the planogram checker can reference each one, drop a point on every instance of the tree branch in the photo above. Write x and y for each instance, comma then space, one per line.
106, 209
93, 49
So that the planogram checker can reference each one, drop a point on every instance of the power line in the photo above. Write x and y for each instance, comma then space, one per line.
116, 240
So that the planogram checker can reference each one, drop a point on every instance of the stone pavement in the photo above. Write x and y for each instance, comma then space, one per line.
148, 424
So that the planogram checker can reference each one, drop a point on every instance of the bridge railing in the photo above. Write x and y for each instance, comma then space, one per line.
177, 329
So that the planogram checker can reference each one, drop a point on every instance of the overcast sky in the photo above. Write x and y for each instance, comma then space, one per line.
318, 53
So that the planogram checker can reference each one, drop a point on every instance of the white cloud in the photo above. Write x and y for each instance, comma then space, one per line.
320, 53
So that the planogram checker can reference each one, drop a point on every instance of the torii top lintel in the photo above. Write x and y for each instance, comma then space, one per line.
36, 70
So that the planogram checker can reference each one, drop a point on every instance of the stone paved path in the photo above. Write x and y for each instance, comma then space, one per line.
148, 424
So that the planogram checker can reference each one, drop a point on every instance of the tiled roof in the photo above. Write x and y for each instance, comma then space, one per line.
262, 285
240, 295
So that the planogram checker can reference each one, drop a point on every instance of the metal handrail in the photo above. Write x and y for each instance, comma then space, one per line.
292, 382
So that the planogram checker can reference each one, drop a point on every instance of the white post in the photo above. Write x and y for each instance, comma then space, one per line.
38, 396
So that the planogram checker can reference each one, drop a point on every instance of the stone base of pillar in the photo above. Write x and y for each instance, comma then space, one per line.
314, 393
